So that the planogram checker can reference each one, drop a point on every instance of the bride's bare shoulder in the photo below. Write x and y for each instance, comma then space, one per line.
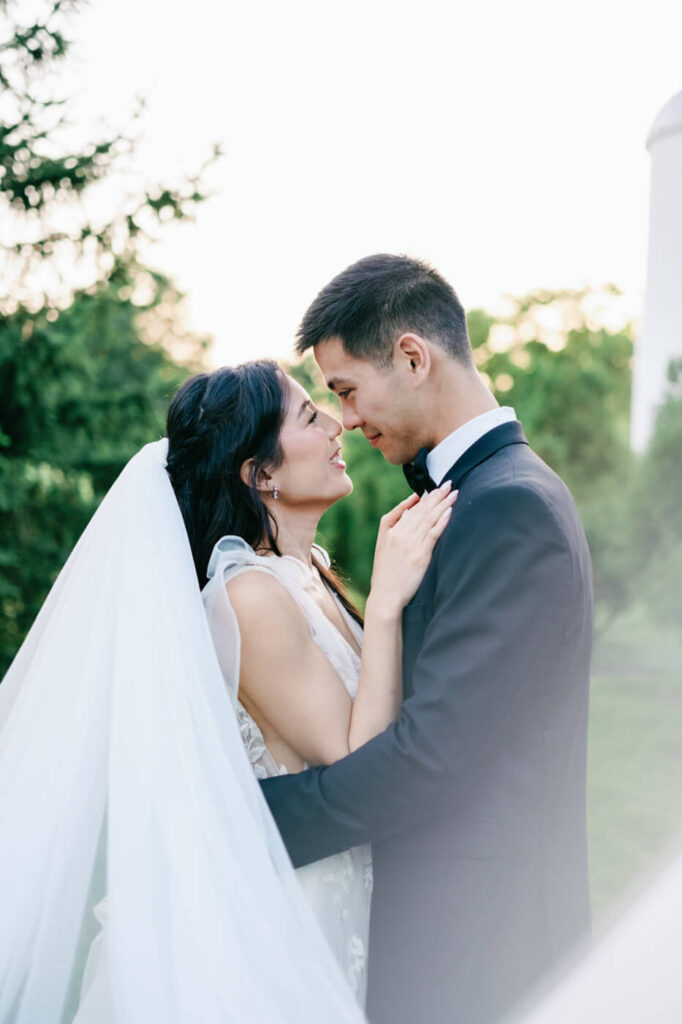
258, 597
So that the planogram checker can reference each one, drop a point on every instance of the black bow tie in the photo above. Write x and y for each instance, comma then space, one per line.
416, 473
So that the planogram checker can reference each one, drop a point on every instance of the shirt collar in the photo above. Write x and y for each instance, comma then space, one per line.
441, 458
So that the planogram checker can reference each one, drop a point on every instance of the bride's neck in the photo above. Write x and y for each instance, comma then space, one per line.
295, 533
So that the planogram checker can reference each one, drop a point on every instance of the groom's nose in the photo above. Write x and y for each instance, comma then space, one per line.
350, 418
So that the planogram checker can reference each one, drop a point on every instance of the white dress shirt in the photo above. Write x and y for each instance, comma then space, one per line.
444, 455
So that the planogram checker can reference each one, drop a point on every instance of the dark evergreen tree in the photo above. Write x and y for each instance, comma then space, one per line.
86, 372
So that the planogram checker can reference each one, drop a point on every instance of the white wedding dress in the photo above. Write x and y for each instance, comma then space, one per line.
339, 887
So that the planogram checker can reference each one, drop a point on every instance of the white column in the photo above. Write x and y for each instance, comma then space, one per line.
660, 338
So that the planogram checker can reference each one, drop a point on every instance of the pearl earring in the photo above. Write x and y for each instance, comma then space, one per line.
275, 492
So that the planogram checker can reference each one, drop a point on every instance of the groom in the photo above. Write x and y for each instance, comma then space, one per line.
474, 800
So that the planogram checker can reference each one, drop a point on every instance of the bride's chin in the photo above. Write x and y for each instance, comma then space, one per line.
344, 488
341, 488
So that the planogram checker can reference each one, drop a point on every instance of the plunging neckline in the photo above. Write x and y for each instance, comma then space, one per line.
343, 612
335, 598
357, 654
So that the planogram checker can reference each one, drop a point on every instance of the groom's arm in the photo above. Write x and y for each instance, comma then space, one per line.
503, 570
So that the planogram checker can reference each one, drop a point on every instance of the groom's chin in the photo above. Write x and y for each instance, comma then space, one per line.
392, 453
394, 456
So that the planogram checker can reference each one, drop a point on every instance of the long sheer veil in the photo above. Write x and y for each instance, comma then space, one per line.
123, 776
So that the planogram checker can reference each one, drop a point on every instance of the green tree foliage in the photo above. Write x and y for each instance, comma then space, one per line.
52, 236
78, 395
85, 373
657, 512
568, 377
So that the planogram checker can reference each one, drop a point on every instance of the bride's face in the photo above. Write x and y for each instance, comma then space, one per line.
313, 473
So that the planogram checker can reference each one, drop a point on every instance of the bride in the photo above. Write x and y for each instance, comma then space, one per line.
139, 713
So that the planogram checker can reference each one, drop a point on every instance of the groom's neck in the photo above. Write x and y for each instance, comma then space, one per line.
457, 395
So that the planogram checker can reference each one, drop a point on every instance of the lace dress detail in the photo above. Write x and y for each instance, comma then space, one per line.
338, 888
262, 762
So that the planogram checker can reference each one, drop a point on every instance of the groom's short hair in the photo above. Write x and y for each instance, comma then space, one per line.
372, 302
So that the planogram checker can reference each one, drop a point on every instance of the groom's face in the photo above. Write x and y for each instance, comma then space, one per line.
373, 399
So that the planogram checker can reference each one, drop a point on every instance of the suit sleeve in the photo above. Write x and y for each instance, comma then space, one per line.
503, 573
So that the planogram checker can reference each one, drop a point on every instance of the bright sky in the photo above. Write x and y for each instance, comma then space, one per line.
504, 142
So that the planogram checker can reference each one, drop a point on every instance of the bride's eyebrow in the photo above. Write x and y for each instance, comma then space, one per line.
304, 406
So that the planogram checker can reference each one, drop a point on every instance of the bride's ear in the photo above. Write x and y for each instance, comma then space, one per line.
262, 481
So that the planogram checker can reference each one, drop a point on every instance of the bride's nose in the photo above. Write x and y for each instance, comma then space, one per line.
334, 428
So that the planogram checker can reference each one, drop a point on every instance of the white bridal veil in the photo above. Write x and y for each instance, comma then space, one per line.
123, 777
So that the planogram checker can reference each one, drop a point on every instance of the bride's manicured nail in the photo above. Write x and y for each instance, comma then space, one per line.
446, 486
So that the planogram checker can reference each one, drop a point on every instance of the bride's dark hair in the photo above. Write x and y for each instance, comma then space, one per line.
216, 422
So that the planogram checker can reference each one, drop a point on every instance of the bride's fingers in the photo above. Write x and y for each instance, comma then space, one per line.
434, 498
437, 529
424, 535
395, 514
429, 510
428, 539
408, 502
445, 499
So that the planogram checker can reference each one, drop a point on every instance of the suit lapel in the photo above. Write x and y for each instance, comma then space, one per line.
493, 441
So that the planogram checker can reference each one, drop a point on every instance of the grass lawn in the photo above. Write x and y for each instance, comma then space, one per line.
635, 758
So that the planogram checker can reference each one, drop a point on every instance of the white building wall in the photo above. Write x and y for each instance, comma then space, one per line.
660, 339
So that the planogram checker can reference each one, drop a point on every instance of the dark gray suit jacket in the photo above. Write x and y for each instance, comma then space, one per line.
474, 800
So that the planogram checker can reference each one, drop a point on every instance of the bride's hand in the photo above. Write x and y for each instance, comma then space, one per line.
405, 542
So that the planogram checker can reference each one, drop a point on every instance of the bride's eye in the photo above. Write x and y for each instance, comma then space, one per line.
313, 417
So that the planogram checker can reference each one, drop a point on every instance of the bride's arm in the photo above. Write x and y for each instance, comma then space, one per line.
380, 690
288, 682
405, 543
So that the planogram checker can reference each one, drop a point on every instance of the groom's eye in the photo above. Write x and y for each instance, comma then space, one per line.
343, 394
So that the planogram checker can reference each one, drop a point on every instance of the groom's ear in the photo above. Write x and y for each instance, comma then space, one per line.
413, 355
